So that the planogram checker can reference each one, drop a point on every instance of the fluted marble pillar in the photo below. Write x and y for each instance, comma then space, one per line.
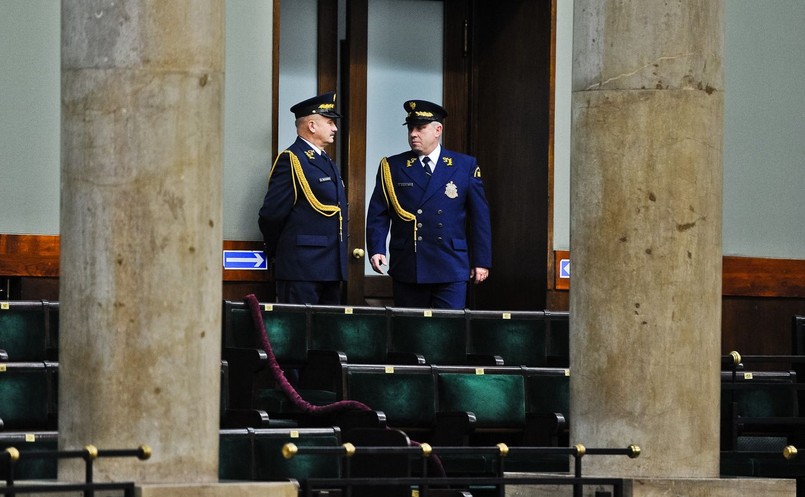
646, 180
141, 167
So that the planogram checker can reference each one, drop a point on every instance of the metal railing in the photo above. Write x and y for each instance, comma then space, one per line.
11, 456
424, 482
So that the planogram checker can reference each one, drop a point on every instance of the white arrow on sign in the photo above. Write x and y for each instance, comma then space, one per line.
255, 258
564, 268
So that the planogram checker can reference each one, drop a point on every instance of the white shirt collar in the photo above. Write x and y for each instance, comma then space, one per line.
434, 155
317, 149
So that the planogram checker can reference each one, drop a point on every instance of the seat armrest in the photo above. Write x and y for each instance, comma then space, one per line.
484, 360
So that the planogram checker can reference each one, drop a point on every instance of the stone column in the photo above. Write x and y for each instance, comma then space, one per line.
646, 179
141, 167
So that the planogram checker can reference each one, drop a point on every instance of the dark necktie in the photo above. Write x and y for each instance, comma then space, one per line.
426, 165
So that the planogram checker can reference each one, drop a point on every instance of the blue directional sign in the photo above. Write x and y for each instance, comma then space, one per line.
245, 259
564, 268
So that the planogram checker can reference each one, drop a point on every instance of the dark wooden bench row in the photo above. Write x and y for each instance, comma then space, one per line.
445, 405
29, 399
29, 332
251, 455
375, 335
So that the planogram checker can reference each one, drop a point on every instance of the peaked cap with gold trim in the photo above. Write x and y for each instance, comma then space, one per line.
423, 112
323, 105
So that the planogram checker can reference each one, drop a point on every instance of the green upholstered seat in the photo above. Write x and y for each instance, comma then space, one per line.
517, 337
270, 465
439, 335
24, 330
359, 332
406, 394
497, 400
28, 395
30, 469
286, 329
256, 454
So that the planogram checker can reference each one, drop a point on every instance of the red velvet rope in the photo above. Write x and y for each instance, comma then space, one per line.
279, 377
279, 374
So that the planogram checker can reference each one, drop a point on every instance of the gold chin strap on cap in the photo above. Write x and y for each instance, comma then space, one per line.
298, 176
391, 196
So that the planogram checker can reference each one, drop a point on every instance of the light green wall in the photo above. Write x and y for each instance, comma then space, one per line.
247, 115
764, 173
764, 128
30, 73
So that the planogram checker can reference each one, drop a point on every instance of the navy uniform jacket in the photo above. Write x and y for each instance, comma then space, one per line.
304, 217
440, 225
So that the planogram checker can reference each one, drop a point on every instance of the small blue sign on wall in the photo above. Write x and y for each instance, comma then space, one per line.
245, 259
564, 268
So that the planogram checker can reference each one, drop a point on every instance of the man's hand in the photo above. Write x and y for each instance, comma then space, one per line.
479, 274
376, 261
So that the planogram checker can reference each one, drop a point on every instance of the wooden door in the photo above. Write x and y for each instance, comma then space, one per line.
498, 74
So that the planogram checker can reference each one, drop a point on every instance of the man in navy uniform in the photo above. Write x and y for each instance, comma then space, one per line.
433, 200
304, 215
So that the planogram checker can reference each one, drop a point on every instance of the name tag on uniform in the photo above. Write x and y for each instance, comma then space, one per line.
326, 178
405, 184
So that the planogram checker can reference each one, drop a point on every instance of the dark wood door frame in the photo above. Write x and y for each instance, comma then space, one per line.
354, 80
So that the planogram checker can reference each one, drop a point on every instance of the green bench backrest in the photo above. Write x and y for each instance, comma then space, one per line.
360, 334
406, 395
22, 331
441, 337
24, 395
286, 331
519, 341
498, 400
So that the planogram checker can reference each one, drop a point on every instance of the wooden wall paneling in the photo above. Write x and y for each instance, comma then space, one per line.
551, 137
29, 255
761, 277
758, 325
